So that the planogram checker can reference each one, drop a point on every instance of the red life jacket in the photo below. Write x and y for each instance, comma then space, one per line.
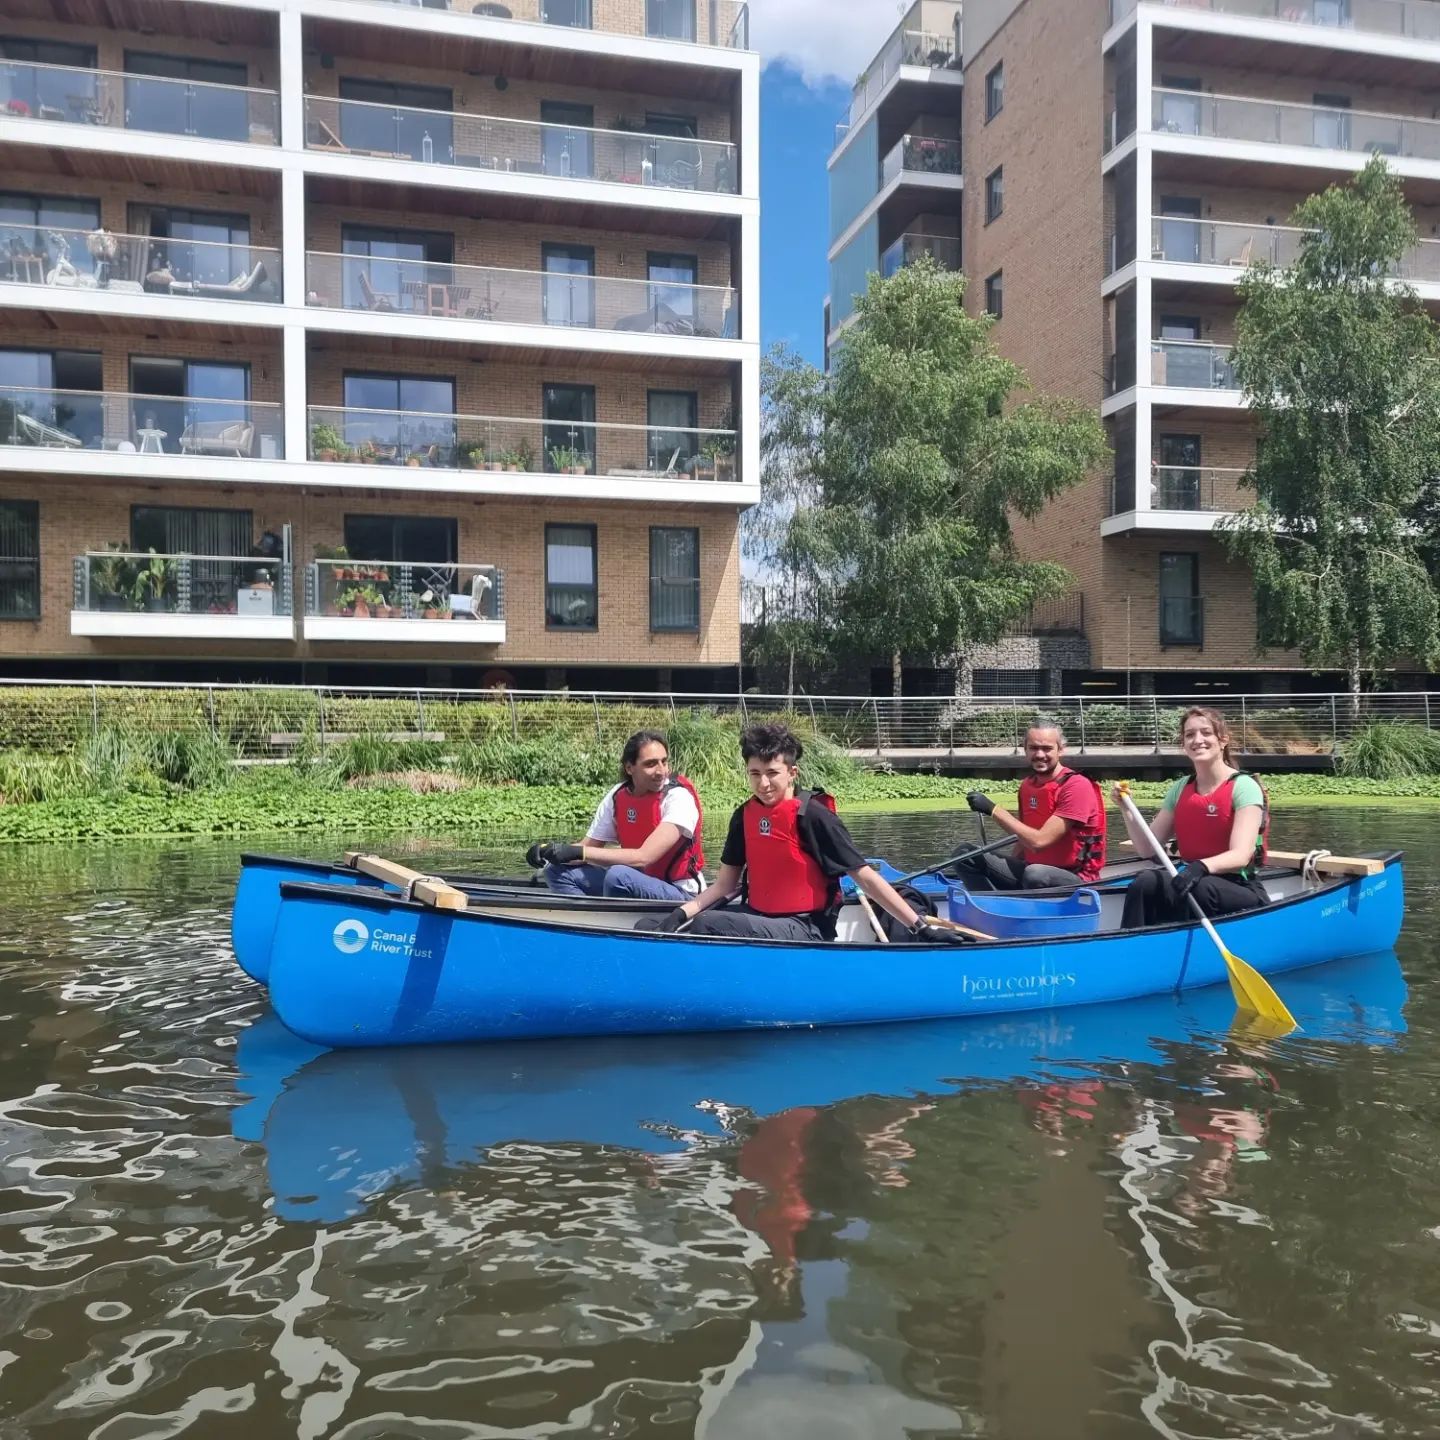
782, 877
1082, 847
1202, 822
636, 819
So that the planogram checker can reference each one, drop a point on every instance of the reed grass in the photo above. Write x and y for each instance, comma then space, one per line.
1391, 750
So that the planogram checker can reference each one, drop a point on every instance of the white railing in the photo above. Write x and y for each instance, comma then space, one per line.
115, 99
245, 586
617, 156
137, 264
141, 425
519, 297
520, 445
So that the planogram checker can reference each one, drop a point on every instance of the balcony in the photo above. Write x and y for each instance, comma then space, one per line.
1192, 365
515, 446
388, 600
1182, 621
519, 297
722, 22
140, 425
908, 248
181, 597
1281, 122
101, 262
1186, 489
146, 104
519, 147
1410, 19
921, 155
927, 49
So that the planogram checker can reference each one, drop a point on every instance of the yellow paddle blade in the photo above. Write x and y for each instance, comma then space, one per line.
1253, 992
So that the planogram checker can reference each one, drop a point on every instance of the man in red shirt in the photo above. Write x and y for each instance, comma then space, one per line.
1059, 824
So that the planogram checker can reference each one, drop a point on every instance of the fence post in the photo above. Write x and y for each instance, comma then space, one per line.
1155, 721
595, 701
514, 719
814, 723
1080, 712
320, 704
94, 709
875, 710
1244, 728
1427, 709
1015, 726
420, 712
214, 729
1334, 728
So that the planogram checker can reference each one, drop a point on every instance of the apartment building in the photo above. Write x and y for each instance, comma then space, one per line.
356, 340
1124, 161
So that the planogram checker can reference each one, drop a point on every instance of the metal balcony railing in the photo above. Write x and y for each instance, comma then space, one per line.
519, 297
1210, 489
146, 583
1182, 621
102, 260
118, 100
1414, 19
908, 248
1283, 122
141, 424
404, 590
1192, 364
696, 22
520, 147
514, 445
920, 155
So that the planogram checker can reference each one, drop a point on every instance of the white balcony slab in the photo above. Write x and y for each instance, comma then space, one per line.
143, 625
1162, 522
112, 140
140, 305
349, 629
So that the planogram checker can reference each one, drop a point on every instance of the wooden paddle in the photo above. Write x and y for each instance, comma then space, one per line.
1252, 991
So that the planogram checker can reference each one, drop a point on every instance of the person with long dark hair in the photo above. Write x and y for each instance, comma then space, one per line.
1219, 818
645, 839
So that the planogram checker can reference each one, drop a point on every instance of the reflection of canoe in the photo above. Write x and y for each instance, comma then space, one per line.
257, 898
363, 967
342, 1125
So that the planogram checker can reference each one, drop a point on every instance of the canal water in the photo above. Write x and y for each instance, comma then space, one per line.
1110, 1222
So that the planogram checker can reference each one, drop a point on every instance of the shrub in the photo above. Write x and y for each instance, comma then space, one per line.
1390, 750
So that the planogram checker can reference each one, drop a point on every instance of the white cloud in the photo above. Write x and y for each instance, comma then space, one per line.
824, 40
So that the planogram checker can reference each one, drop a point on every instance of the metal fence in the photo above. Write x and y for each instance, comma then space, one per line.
270, 722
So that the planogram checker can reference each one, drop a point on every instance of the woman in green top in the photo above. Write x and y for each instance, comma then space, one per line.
1219, 820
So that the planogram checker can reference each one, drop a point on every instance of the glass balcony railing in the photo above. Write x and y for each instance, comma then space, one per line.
520, 147
1283, 122
908, 248
1182, 620
151, 103
521, 446
1412, 19
401, 590
146, 583
1192, 364
694, 22
933, 50
1207, 489
520, 297
137, 264
920, 154
140, 424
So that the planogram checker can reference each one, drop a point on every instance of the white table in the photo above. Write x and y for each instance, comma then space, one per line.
150, 439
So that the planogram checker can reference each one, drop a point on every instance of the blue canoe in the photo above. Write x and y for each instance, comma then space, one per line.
340, 1127
257, 898
358, 967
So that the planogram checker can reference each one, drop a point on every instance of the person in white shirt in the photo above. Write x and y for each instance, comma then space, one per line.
645, 839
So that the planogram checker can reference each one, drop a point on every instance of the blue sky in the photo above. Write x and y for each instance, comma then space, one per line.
797, 130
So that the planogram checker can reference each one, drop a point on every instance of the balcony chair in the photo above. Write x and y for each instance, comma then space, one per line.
372, 300
234, 438
1242, 260
30, 431
471, 604
240, 285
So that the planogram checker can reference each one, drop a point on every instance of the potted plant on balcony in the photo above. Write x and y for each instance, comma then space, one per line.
366, 453
152, 582
566, 460
112, 578
524, 456
326, 442
470, 454
716, 460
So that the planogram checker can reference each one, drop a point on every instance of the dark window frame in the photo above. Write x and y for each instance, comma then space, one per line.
659, 582
589, 428
1169, 637
26, 513
994, 91
995, 194
594, 586
995, 294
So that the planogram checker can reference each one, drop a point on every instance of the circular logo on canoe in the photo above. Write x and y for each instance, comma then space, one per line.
351, 937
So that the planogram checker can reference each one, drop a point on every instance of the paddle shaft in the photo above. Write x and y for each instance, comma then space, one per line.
869, 910
950, 860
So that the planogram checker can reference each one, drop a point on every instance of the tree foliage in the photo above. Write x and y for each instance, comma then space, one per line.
1340, 364
894, 482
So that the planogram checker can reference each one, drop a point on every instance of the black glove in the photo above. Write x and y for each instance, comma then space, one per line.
673, 921
535, 855
981, 804
1189, 876
927, 931
552, 852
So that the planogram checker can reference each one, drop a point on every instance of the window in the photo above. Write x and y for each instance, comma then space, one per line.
19, 560
1182, 611
995, 194
28, 251
672, 288
57, 94
676, 160
571, 594
995, 92
195, 245
674, 578
1332, 124
409, 539
995, 294
566, 140
171, 396
401, 416
670, 19
673, 443
393, 267
1177, 485
569, 434
211, 100
573, 13
1179, 229
211, 583
394, 119
1179, 112
51, 398
568, 297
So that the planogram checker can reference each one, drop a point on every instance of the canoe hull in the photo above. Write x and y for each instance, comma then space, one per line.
364, 968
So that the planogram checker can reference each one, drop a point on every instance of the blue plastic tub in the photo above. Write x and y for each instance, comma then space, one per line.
1016, 917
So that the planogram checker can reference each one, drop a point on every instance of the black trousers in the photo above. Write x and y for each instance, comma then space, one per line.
1009, 871
741, 922
1150, 900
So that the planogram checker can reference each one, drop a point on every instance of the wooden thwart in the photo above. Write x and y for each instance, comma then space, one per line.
1324, 865
427, 890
